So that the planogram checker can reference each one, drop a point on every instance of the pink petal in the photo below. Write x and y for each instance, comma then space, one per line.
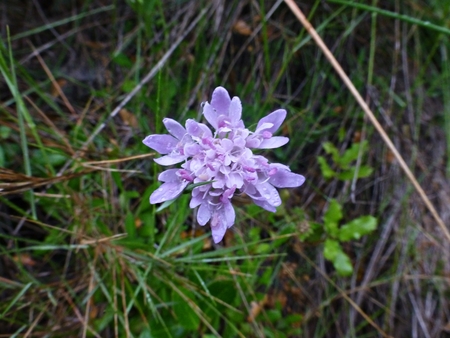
253, 142
269, 194
219, 225
286, 179
263, 204
199, 130
192, 149
235, 179
263, 126
235, 110
210, 114
169, 175
276, 118
273, 142
218, 232
203, 213
174, 128
163, 144
220, 101
170, 159
167, 191
196, 201
229, 214
227, 144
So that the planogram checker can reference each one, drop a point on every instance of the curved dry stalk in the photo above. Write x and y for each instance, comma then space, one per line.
304, 21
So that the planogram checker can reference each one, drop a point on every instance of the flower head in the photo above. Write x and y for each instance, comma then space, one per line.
223, 159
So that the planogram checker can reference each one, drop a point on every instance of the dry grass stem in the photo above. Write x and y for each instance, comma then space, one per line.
329, 55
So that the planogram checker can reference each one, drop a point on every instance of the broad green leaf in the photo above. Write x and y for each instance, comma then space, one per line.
334, 253
223, 290
349, 174
365, 171
5, 132
130, 226
327, 172
332, 150
122, 60
184, 311
274, 315
351, 154
358, 227
263, 248
346, 175
331, 249
342, 264
332, 218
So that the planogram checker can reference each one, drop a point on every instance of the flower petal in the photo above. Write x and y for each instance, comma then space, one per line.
174, 128
170, 159
203, 213
229, 214
220, 101
192, 149
235, 111
276, 118
163, 144
273, 142
263, 204
210, 114
253, 142
235, 179
196, 201
269, 194
170, 175
286, 179
218, 232
263, 127
199, 130
167, 191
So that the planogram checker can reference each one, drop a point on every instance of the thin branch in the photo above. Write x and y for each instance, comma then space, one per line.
304, 21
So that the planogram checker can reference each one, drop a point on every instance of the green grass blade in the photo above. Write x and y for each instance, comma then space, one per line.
16, 299
389, 14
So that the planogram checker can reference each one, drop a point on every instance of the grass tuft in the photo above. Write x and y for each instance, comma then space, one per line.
83, 253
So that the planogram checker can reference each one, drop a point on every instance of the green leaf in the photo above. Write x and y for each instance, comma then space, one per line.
183, 310
332, 150
365, 171
351, 154
5, 132
331, 249
332, 218
263, 248
223, 290
130, 226
122, 60
342, 264
358, 227
334, 253
327, 172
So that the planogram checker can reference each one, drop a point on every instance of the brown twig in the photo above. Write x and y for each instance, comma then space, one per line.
304, 21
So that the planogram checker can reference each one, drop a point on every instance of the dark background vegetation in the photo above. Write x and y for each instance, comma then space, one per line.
73, 181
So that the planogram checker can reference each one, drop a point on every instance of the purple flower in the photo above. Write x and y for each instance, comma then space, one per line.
223, 160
